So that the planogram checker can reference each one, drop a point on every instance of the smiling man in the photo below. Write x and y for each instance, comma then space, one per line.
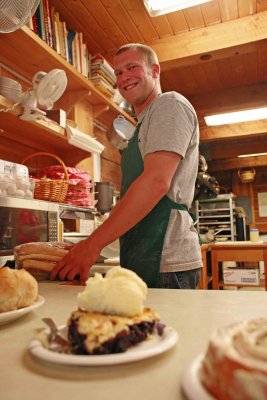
157, 236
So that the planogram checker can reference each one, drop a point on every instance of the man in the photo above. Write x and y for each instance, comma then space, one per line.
159, 167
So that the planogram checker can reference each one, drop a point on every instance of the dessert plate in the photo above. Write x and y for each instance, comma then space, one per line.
9, 316
149, 348
191, 384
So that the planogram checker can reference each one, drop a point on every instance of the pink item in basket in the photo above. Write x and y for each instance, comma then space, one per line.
80, 184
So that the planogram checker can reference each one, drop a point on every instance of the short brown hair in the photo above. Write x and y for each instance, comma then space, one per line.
148, 53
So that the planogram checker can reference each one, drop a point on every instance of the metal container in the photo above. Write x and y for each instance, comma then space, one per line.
120, 133
104, 193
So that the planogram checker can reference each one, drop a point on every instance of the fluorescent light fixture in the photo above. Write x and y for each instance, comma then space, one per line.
160, 7
235, 117
252, 155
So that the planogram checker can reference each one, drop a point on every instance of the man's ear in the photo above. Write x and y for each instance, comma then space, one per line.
155, 70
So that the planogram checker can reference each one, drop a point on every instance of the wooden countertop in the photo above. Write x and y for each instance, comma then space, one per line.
195, 314
239, 244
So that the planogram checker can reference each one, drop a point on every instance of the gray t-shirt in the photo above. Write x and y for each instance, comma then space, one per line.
170, 123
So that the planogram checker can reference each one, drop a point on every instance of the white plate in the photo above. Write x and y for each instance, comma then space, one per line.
191, 384
221, 239
9, 316
149, 348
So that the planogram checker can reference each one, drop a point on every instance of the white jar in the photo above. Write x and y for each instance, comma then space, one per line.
254, 235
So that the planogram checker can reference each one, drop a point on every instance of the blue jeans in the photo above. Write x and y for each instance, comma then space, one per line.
179, 280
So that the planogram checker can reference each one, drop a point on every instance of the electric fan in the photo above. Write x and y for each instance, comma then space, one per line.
15, 13
47, 89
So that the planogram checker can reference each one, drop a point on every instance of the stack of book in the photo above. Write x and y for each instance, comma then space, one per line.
102, 75
69, 44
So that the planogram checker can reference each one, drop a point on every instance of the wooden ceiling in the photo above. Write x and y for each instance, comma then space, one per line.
215, 54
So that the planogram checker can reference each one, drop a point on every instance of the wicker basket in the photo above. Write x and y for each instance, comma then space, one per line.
50, 189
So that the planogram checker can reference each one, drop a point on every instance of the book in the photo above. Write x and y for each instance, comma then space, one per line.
55, 34
85, 60
89, 64
97, 76
70, 37
34, 24
103, 86
44, 11
61, 36
100, 60
48, 22
104, 90
76, 53
80, 52
102, 71
65, 40
98, 72
40, 21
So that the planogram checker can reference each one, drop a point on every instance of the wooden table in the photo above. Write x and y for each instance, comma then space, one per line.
237, 251
192, 313
204, 278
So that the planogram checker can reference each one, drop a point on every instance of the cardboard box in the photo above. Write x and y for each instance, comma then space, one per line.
241, 276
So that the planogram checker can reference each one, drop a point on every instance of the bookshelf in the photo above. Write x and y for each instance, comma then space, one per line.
24, 52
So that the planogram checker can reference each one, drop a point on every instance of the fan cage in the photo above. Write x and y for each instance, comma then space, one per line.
16, 13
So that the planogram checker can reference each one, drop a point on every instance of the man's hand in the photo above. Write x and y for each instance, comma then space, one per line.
77, 262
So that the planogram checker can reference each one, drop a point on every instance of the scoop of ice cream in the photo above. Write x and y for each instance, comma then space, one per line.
120, 292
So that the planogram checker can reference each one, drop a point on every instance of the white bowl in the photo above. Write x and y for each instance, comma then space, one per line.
123, 128
121, 133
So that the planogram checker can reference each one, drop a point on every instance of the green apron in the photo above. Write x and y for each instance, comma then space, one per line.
141, 247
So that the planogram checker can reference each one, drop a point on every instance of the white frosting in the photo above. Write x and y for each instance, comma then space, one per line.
245, 342
235, 366
120, 292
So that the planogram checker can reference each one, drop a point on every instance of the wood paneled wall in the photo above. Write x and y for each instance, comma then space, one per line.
259, 186
251, 190
110, 161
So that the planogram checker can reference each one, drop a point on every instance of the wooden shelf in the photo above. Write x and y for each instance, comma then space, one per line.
24, 44
31, 136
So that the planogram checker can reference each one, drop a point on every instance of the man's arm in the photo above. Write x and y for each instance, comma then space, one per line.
141, 197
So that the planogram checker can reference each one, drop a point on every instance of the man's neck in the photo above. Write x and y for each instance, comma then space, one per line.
153, 95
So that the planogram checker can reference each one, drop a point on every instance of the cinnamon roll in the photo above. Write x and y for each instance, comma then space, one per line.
235, 364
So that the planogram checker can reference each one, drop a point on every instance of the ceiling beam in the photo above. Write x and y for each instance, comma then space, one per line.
231, 99
236, 163
216, 55
227, 132
242, 31
232, 148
